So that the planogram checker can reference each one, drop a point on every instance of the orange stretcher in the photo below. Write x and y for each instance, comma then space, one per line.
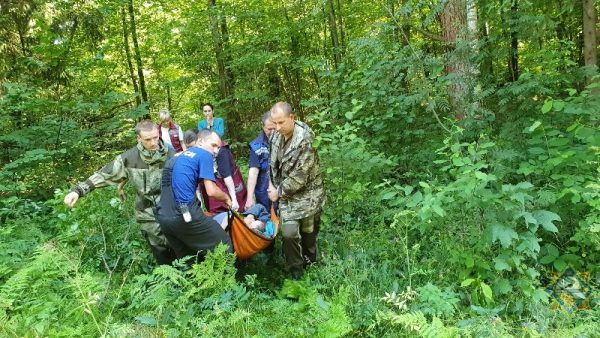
247, 242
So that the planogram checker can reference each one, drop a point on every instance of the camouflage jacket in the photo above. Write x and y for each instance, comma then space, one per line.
297, 175
137, 166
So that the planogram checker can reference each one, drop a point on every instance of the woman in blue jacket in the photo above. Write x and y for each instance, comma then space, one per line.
210, 121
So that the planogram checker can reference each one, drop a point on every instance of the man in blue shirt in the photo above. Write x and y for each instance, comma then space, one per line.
258, 174
179, 211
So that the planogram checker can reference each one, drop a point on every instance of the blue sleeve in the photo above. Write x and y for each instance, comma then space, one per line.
201, 124
254, 161
205, 163
219, 126
224, 165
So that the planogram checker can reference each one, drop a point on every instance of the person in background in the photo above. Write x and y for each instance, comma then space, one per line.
297, 184
141, 166
170, 132
258, 173
210, 121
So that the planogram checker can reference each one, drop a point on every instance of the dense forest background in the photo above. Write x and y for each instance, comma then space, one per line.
459, 140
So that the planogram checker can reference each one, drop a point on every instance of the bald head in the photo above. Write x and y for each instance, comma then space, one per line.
283, 119
282, 107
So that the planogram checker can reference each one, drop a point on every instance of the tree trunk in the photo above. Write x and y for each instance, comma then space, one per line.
293, 75
220, 37
169, 98
218, 46
405, 30
487, 66
333, 32
274, 80
128, 56
226, 55
589, 33
138, 57
513, 56
22, 17
454, 25
340, 17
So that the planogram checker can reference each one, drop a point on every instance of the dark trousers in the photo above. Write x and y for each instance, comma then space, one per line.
202, 233
300, 240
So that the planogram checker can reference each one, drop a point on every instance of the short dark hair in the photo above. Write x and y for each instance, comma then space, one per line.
190, 136
145, 125
207, 104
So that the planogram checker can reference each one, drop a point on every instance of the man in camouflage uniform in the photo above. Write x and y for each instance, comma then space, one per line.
142, 166
298, 186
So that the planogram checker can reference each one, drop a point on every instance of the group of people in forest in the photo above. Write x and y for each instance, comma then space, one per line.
170, 170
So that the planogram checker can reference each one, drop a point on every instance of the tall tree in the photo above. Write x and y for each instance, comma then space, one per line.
513, 54
333, 33
220, 38
138, 56
340, 17
128, 56
590, 42
454, 25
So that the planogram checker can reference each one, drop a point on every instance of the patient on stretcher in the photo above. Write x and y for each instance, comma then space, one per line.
258, 219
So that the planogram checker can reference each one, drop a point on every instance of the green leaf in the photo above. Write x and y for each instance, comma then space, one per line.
469, 261
546, 218
529, 243
503, 286
547, 259
424, 185
389, 195
504, 234
501, 264
560, 265
558, 105
458, 161
480, 175
349, 115
438, 210
540, 295
487, 291
519, 196
529, 219
534, 126
552, 250
467, 282
525, 185
148, 320
547, 106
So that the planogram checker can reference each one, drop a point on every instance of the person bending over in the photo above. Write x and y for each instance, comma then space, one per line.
188, 230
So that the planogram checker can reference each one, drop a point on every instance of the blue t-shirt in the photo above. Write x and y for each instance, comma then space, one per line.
193, 165
254, 160
259, 152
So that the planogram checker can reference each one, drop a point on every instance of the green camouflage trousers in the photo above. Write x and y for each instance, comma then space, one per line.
300, 240
157, 241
